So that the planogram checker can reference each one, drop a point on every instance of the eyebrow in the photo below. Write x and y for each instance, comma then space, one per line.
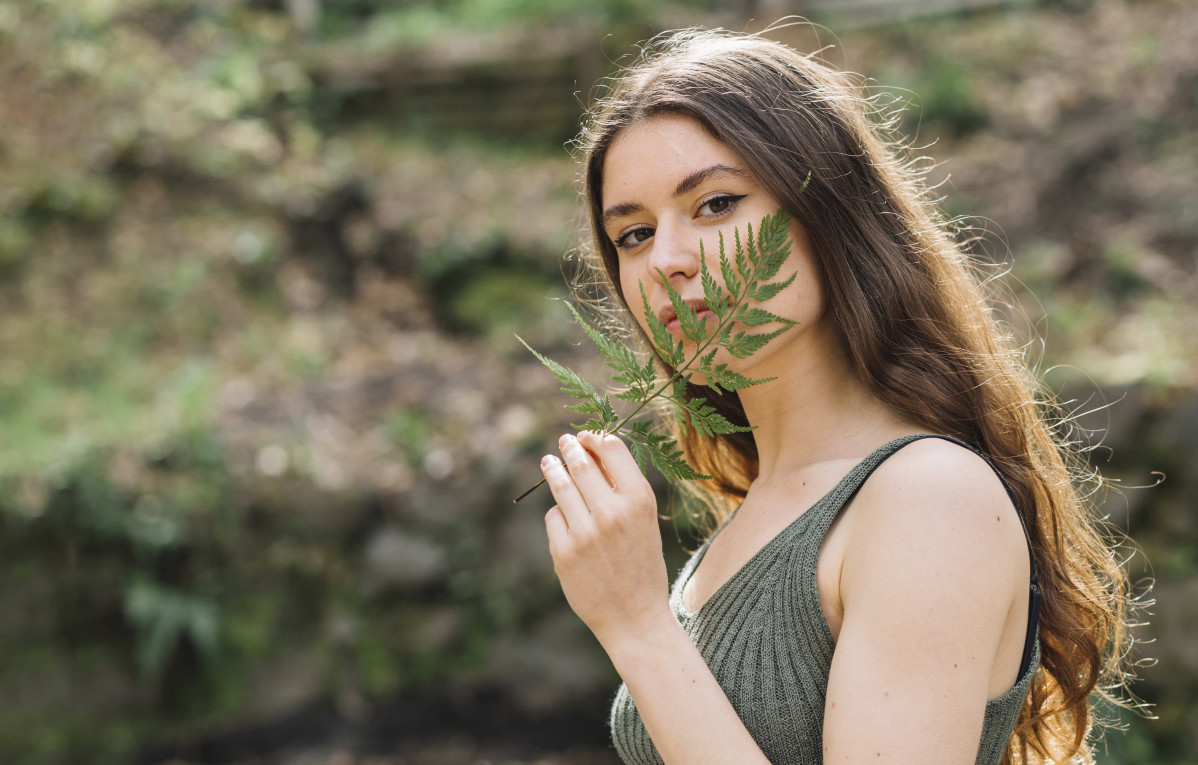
689, 183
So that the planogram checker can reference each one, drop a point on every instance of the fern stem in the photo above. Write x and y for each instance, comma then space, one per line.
530, 491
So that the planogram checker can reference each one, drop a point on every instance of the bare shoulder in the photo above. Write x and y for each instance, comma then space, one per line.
937, 511
938, 480
933, 583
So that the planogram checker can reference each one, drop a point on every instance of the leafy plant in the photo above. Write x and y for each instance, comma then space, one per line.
164, 618
746, 275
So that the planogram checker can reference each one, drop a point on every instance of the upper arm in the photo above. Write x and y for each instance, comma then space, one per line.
931, 572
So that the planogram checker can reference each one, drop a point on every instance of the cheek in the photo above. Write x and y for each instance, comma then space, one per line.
804, 300
809, 281
810, 278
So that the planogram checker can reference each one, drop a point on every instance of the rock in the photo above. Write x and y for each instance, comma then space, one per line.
284, 683
396, 560
439, 628
458, 504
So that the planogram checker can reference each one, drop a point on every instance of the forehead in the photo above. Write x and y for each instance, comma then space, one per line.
648, 158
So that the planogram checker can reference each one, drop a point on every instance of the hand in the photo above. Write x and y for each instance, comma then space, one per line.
604, 538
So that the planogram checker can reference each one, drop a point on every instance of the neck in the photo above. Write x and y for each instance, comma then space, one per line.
817, 409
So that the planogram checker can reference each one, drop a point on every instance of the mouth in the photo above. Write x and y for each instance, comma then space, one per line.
670, 318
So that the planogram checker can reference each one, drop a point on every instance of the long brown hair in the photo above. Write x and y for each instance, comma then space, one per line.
909, 304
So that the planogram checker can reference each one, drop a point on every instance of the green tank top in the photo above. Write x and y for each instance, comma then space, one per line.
764, 637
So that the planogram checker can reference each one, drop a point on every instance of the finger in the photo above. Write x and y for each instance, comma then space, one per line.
618, 463
590, 440
555, 529
573, 506
585, 471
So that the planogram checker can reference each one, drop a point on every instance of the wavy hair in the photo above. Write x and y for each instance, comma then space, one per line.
910, 306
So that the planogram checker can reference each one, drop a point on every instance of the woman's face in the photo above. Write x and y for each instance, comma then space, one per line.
669, 185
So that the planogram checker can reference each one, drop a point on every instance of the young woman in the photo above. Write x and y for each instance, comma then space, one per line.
871, 594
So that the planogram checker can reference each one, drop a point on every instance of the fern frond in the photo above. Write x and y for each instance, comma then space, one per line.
746, 274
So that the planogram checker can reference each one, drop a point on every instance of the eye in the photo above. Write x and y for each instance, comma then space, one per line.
721, 204
631, 239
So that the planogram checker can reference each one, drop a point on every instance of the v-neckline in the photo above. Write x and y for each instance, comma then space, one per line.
702, 551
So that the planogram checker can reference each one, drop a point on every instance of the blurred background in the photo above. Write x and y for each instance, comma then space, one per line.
262, 413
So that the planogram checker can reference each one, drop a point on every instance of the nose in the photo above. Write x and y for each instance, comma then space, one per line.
675, 253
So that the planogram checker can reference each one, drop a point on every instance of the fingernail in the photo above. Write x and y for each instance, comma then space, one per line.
564, 440
548, 460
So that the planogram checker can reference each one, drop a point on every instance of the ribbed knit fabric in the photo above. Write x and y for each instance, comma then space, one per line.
764, 636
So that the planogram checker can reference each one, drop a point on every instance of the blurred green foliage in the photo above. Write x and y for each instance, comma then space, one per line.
387, 26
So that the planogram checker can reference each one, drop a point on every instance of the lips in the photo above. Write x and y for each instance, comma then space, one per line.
670, 318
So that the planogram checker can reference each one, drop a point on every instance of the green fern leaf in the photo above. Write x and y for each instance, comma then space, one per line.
619, 356
575, 385
667, 458
755, 317
744, 345
742, 257
746, 273
731, 280
764, 292
670, 351
688, 320
715, 297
